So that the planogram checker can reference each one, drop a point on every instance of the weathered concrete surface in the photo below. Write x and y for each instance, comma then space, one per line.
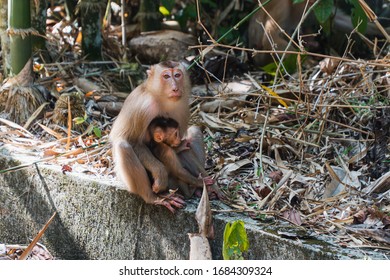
97, 219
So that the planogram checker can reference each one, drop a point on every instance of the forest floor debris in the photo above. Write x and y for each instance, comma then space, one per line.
324, 162
310, 149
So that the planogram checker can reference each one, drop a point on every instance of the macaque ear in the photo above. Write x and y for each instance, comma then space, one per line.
158, 135
150, 71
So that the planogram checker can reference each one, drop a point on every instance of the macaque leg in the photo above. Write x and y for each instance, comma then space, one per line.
130, 170
155, 167
275, 39
286, 14
208, 180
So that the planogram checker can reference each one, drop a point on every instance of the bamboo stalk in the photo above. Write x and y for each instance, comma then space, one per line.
19, 32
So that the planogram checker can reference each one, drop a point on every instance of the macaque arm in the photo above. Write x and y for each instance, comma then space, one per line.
185, 176
169, 158
194, 160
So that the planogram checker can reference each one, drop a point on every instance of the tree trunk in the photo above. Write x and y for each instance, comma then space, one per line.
19, 34
91, 23
4, 37
18, 97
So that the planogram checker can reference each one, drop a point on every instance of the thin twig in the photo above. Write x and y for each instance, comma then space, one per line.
213, 41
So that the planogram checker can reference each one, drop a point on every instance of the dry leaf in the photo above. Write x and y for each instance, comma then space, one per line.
381, 185
86, 85
199, 247
293, 216
216, 123
360, 217
328, 65
276, 176
233, 167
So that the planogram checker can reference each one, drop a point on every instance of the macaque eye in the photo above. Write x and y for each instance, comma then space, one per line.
166, 76
177, 75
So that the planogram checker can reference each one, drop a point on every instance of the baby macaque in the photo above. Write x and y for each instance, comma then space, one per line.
166, 145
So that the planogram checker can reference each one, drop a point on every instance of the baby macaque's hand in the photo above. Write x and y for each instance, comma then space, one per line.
184, 146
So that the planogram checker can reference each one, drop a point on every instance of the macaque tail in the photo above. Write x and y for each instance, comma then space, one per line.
131, 172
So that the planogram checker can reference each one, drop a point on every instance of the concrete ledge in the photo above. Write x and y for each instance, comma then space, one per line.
97, 219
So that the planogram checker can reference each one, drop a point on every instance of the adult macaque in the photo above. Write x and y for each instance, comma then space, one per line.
166, 144
165, 93
265, 34
285, 14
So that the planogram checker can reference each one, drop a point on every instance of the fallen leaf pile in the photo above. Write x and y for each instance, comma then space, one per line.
313, 150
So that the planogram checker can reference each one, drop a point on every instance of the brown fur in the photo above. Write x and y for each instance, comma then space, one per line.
155, 97
286, 14
164, 141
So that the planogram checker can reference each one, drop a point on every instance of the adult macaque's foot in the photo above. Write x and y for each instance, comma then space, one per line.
170, 201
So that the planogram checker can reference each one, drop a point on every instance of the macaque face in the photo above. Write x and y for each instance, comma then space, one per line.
169, 136
172, 81
173, 137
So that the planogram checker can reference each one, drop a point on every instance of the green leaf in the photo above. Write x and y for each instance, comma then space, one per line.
324, 10
298, 1
238, 235
164, 11
359, 18
79, 120
168, 4
97, 132
270, 68
289, 63
190, 11
235, 240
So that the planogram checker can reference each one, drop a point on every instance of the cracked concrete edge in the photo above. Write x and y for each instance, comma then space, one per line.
98, 219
